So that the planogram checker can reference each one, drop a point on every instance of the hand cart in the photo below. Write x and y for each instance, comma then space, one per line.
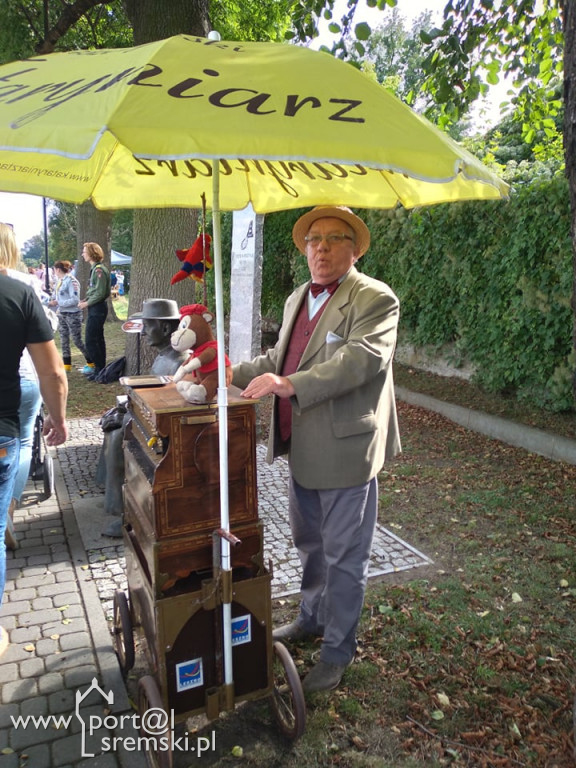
177, 588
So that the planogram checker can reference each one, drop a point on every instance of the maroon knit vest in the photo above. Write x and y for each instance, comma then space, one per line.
299, 338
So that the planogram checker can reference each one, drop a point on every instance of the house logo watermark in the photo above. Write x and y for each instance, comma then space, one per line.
108, 697
151, 731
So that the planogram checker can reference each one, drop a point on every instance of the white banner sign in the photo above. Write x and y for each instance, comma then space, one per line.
245, 285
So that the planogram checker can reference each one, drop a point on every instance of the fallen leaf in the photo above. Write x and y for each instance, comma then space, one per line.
443, 700
358, 743
30, 647
516, 597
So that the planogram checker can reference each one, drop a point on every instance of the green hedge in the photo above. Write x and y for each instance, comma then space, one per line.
493, 279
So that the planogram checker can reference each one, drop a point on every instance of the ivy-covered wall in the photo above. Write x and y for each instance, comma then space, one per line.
494, 279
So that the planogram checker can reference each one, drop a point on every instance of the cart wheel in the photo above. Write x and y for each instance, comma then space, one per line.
149, 698
287, 699
123, 633
48, 476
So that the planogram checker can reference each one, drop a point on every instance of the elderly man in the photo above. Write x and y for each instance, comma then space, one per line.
335, 416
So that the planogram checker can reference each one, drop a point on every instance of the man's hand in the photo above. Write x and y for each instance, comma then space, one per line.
82, 304
55, 434
269, 384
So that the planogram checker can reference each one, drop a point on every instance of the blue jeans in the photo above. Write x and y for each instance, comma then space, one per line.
30, 401
9, 456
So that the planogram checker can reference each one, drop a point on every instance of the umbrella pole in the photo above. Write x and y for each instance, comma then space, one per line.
222, 434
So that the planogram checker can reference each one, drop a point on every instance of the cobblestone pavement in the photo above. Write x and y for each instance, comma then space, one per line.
58, 606
57, 647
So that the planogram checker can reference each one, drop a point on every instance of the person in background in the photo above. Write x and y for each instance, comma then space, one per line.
24, 326
335, 415
96, 303
66, 298
30, 399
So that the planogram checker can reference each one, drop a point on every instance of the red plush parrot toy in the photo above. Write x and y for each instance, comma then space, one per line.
194, 262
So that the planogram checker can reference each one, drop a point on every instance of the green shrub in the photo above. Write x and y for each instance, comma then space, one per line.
494, 279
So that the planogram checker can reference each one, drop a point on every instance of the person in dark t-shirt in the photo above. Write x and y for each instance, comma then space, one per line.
24, 326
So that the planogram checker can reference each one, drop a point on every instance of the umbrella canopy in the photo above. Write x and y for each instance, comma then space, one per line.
291, 127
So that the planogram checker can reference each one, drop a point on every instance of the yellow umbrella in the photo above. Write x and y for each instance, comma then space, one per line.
279, 126
139, 127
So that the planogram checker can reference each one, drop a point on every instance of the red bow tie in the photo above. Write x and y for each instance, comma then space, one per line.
316, 288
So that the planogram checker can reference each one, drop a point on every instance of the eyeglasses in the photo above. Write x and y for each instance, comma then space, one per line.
334, 239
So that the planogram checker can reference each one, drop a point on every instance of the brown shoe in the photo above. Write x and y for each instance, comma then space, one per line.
291, 632
323, 677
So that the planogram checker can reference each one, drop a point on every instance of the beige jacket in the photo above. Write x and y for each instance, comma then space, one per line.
344, 423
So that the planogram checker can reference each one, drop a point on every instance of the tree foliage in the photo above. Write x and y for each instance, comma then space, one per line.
38, 26
395, 54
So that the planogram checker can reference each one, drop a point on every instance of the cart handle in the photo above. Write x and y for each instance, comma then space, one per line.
230, 538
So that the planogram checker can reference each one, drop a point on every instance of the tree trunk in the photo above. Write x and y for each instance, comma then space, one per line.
569, 25
153, 20
158, 233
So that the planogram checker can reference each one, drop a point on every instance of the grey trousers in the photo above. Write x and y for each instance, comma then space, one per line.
333, 532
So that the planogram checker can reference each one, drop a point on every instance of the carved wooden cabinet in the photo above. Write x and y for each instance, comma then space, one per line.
172, 484
202, 615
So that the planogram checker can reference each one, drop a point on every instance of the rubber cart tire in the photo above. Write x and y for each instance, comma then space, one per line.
149, 698
123, 632
287, 700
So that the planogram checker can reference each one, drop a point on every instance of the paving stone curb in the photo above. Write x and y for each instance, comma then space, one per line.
531, 439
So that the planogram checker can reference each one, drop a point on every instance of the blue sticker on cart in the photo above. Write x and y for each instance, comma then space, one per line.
189, 674
241, 630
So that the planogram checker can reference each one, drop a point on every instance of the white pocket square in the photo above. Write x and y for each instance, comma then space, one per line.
333, 337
